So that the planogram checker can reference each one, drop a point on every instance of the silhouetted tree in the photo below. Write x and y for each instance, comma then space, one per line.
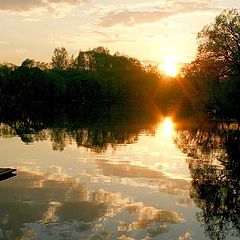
94, 75
212, 79
79, 62
60, 59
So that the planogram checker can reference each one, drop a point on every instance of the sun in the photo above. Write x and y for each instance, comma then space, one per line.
170, 66
170, 69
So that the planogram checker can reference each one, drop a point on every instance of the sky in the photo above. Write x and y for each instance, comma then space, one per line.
151, 31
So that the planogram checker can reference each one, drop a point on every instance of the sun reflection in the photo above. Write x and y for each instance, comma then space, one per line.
168, 127
165, 131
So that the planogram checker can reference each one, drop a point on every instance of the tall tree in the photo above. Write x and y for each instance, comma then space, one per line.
60, 59
214, 76
220, 42
79, 62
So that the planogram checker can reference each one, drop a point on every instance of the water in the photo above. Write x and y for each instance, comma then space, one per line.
154, 181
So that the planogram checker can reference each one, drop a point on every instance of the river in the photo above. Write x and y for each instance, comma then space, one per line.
157, 181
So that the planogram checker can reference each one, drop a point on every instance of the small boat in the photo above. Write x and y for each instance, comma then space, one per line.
6, 173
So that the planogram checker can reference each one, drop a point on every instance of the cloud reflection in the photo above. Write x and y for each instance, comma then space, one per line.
56, 209
126, 170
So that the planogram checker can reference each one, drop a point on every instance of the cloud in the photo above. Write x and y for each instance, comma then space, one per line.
131, 18
94, 10
181, 6
108, 38
109, 41
18, 51
16, 6
31, 20
3, 42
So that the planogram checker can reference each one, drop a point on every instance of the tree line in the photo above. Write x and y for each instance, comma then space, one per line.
93, 76
211, 82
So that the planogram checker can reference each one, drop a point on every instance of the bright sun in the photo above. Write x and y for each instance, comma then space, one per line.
170, 69
170, 65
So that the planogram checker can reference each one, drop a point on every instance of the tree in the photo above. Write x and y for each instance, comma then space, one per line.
213, 77
220, 43
102, 50
31, 63
100, 59
60, 59
79, 62
28, 63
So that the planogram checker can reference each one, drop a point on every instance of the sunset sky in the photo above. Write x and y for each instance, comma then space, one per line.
148, 30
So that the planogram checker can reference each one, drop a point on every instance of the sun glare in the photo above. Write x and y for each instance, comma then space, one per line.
169, 66
166, 129
170, 69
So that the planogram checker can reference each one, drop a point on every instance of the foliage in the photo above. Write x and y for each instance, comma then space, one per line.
212, 79
60, 59
93, 76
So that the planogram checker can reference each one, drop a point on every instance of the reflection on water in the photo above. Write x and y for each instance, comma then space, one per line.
167, 128
81, 126
39, 206
120, 180
213, 157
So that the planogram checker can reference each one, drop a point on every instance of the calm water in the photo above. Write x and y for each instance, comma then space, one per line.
157, 181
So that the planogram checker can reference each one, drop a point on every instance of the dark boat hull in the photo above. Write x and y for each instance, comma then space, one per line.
6, 173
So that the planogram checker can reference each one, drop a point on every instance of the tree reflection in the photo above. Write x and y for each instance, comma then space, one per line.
213, 156
93, 127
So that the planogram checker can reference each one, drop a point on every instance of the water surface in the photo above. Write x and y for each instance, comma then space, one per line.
154, 181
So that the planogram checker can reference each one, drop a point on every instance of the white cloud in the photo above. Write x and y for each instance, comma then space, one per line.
3, 42
31, 20
131, 17
28, 6
18, 51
